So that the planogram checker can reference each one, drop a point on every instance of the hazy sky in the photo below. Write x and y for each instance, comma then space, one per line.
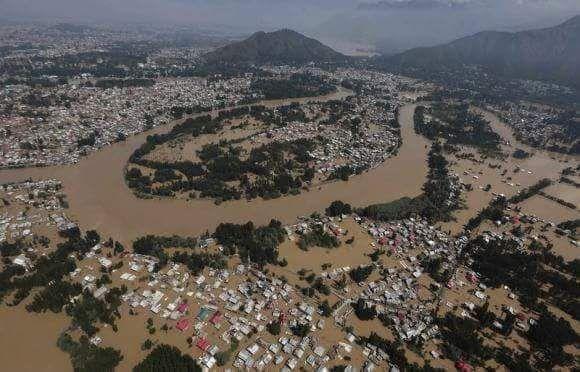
394, 24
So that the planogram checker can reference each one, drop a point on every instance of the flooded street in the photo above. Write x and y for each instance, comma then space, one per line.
99, 198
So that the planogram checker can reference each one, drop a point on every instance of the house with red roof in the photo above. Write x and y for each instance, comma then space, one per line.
182, 325
463, 366
215, 318
203, 344
182, 308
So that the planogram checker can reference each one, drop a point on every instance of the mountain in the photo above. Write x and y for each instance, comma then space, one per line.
551, 54
394, 26
283, 46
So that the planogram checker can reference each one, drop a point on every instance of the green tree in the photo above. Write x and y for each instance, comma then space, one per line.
166, 358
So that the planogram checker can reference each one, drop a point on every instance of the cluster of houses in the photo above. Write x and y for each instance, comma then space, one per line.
219, 308
403, 293
89, 118
537, 126
230, 311
44, 201
364, 147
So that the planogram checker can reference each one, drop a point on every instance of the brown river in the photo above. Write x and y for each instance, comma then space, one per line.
99, 198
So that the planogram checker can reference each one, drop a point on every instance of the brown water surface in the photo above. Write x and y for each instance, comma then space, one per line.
28, 341
99, 198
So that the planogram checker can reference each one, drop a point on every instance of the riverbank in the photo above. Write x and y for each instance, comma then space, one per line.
99, 198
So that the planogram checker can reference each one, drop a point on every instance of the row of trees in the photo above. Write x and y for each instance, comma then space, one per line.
530, 191
440, 195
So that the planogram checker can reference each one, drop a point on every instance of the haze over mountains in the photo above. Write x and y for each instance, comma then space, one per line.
549, 54
543, 54
394, 26
391, 25
283, 46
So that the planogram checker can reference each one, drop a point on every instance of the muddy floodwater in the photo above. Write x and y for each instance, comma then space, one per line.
99, 198
28, 341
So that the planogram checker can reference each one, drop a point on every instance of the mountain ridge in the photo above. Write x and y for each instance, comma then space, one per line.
543, 54
282, 46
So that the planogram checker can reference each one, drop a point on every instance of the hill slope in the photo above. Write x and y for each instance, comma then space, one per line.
284, 46
545, 54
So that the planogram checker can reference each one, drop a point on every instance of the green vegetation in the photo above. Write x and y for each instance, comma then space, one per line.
89, 140
395, 210
338, 208
530, 191
47, 269
493, 212
54, 297
547, 337
86, 357
521, 154
147, 345
274, 327
258, 245
301, 329
226, 171
223, 357
87, 311
457, 125
155, 246
344, 172
8, 249
318, 285
440, 195
558, 200
569, 181
363, 311
196, 262
297, 85
318, 238
436, 269
361, 273
325, 309
462, 338
533, 276
166, 358
571, 225
394, 350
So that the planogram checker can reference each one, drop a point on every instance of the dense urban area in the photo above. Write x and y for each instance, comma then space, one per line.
297, 214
